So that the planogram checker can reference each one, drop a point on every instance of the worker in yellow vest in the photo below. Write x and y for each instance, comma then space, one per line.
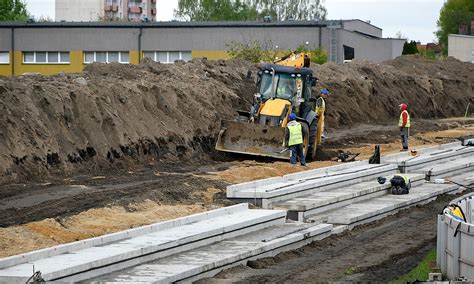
400, 184
404, 124
294, 137
321, 109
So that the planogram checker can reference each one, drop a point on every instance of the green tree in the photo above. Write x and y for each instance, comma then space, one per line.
410, 48
249, 10
215, 10
291, 9
13, 10
454, 13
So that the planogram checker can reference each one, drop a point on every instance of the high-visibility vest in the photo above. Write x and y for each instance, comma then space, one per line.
406, 179
296, 134
400, 123
322, 108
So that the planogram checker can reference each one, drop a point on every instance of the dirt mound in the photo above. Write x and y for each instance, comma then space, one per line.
148, 112
153, 112
365, 92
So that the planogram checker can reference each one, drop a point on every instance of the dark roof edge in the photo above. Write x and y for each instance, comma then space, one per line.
161, 24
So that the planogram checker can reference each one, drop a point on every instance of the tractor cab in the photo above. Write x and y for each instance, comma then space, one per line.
282, 89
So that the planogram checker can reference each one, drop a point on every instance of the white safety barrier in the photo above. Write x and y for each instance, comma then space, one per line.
455, 244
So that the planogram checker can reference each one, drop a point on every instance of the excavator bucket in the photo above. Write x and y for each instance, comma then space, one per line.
253, 139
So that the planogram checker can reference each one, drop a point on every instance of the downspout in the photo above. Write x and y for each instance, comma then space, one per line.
320, 36
13, 51
140, 45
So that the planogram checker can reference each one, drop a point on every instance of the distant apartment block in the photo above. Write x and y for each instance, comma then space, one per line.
94, 10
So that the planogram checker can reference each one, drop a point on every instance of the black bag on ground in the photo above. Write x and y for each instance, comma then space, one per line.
375, 159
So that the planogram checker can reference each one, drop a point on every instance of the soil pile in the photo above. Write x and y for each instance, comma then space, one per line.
152, 112
148, 112
366, 92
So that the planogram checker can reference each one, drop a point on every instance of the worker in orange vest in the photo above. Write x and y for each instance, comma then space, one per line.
404, 124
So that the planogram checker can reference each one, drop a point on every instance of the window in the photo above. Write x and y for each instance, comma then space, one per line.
113, 57
41, 57
168, 56
46, 57
106, 56
4, 57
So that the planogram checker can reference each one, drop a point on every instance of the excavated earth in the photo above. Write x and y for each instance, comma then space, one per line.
120, 146
112, 115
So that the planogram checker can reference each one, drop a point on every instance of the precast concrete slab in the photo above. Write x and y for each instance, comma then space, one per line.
367, 210
430, 156
131, 251
315, 181
208, 261
301, 208
449, 168
102, 240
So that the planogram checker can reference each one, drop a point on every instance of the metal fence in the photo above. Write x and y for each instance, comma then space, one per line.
455, 247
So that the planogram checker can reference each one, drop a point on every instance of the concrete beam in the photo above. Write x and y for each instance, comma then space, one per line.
106, 255
196, 262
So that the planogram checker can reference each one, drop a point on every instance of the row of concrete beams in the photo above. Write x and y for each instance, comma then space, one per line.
84, 260
207, 261
191, 261
319, 206
292, 186
429, 156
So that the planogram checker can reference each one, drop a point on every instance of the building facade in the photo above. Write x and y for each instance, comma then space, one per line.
94, 10
50, 48
461, 47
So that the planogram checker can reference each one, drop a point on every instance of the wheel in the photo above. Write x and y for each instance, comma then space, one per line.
313, 128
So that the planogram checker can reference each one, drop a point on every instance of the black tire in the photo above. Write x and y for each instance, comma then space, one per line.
313, 128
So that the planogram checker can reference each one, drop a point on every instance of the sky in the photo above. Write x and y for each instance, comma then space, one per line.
415, 19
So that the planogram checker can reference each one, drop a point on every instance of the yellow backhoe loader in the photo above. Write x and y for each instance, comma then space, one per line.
283, 87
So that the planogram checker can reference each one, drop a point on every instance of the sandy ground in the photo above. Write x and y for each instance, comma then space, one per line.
88, 224
35, 216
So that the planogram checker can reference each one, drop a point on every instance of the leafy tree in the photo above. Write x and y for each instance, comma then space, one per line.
410, 48
13, 10
247, 10
453, 14
215, 10
291, 9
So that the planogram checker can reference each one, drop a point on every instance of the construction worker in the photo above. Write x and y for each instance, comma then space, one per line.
400, 185
294, 136
321, 108
404, 124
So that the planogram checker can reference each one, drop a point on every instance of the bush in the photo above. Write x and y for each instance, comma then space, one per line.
317, 55
258, 52
253, 51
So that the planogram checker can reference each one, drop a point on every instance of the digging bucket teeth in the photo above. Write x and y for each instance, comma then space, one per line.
252, 139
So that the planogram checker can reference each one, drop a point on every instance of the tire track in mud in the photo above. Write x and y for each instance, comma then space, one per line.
33, 202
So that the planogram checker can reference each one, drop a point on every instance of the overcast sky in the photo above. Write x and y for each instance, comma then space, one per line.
415, 19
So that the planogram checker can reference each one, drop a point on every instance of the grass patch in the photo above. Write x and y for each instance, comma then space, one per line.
421, 271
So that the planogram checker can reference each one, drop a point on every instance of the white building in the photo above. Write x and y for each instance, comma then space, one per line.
79, 10
461, 47
94, 10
